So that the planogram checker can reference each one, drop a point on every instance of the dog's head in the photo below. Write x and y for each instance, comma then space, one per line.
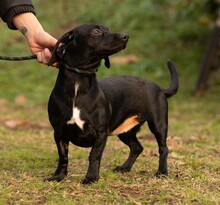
86, 45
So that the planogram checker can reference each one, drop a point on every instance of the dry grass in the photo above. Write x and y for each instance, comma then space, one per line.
28, 154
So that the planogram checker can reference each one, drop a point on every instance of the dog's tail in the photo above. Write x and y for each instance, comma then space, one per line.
174, 84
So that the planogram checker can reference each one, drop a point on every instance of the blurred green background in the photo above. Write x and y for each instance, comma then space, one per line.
158, 29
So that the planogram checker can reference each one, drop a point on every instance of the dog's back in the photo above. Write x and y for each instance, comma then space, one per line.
129, 96
123, 85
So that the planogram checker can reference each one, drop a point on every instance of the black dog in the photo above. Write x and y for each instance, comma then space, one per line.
86, 111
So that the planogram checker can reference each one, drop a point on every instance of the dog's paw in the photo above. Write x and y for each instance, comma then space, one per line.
161, 173
122, 169
89, 180
57, 178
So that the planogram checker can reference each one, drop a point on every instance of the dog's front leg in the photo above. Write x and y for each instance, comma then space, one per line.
62, 146
95, 159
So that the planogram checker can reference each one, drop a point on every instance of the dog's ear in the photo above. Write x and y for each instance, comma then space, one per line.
107, 62
59, 49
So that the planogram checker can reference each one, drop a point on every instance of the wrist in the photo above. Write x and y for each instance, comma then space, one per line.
15, 10
27, 24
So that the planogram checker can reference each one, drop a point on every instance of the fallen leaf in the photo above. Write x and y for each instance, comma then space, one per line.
3, 101
20, 99
15, 123
123, 60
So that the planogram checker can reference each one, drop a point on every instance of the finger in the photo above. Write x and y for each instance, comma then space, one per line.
39, 57
46, 55
56, 65
52, 44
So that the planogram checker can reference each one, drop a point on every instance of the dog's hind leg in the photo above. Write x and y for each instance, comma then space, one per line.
159, 130
62, 146
135, 146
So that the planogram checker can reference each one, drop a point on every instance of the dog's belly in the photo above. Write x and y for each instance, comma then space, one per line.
81, 138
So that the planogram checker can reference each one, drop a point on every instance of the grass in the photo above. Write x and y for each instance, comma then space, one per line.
158, 30
28, 156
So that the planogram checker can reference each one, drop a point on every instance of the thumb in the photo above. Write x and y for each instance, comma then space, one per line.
51, 43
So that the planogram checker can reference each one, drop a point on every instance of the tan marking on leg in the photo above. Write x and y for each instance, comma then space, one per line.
127, 125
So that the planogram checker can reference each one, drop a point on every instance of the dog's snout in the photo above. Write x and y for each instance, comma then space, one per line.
124, 36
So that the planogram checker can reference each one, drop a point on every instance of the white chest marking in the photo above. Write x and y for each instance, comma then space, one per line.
75, 119
76, 89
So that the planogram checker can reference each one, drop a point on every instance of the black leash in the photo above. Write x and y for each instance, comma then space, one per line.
7, 58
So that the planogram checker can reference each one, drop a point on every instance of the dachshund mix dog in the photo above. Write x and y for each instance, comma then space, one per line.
85, 111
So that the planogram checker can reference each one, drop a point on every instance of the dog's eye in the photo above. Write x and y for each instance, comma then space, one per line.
96, 32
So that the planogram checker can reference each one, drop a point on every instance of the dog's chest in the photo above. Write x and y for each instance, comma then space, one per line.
75, 118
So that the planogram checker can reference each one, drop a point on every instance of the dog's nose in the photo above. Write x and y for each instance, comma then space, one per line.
124, 36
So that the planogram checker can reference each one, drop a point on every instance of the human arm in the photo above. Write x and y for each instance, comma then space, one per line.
10, 8
40, 42
20, 14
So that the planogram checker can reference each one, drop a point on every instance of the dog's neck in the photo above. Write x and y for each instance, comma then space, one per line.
86, 66
82, 70
85, 80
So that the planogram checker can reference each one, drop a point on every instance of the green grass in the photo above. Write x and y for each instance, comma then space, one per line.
28, 156
158, 30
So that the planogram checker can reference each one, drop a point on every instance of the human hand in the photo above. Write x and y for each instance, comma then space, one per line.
40, 42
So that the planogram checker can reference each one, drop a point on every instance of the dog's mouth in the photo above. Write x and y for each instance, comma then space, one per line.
107, 52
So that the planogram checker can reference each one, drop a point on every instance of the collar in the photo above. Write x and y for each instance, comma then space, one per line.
78, 70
